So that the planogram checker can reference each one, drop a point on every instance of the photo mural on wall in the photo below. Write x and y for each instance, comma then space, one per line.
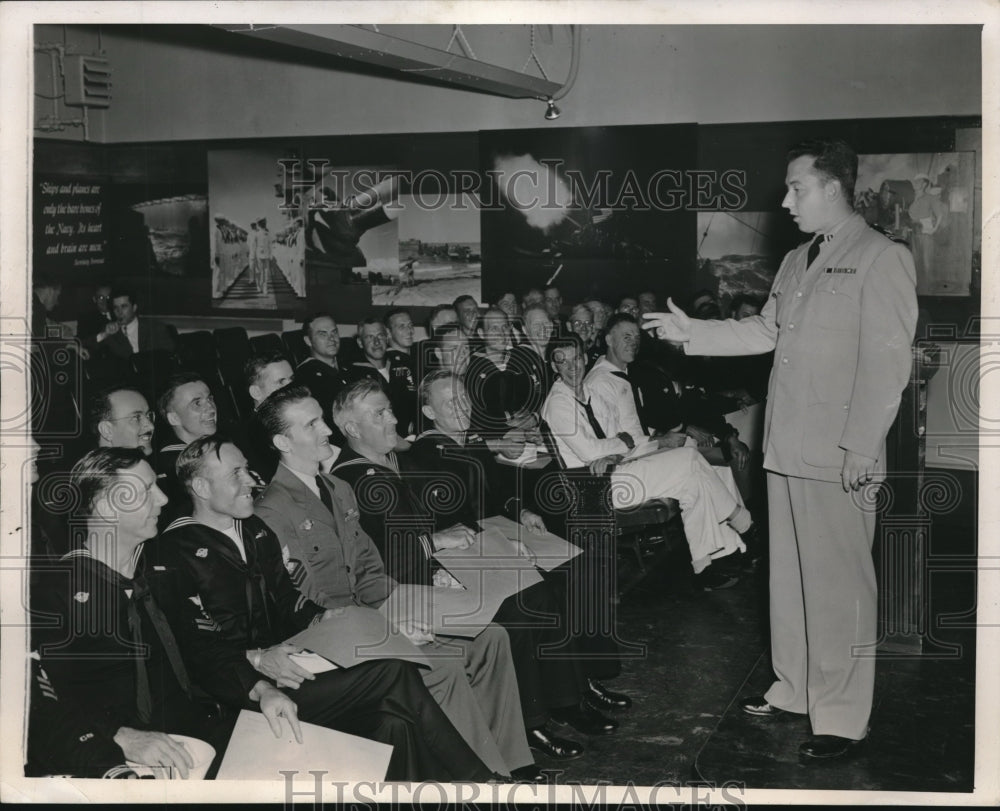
256, 247
351, 233
440, 254
925, 200
739, 253
596, 211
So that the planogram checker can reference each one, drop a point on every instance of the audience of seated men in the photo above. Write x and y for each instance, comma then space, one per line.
135, 333
115, 676
321, 372
712, 514
228, 562
334, 563
452, 447
398, 384
551, 688
508, 380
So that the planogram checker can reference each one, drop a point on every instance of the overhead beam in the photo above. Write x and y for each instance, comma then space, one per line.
375, 48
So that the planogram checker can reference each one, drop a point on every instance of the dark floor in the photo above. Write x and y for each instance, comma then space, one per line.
705, 650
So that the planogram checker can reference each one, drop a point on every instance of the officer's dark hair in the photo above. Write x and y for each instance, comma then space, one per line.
560, 343
190, 460
833, 159
270, 414
349, 395
424, 391
165, 401
258, 362
619, 318
99, 405
462, 299
97, 470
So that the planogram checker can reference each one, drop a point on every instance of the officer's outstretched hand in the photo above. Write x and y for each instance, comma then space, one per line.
672, 326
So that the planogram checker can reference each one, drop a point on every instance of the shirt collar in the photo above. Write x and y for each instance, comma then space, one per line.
308, 481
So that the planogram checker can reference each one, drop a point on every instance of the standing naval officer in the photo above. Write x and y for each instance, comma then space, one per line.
840, 317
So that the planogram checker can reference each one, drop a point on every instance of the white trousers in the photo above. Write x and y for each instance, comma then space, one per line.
707, 497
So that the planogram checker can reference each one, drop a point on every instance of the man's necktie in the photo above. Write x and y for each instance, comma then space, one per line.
141, 594
592, 419
814, 247
324, 494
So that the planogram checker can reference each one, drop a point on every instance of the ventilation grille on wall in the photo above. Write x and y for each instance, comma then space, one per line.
88, 81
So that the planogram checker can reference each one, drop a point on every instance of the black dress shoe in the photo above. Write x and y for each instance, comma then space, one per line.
496, 779
601, 698
544, 740
757, 705
529, 774
826, 747
585, 720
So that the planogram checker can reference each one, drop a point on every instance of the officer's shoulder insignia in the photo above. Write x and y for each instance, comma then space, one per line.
81, 596
306, 525
370, 471
201, 553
